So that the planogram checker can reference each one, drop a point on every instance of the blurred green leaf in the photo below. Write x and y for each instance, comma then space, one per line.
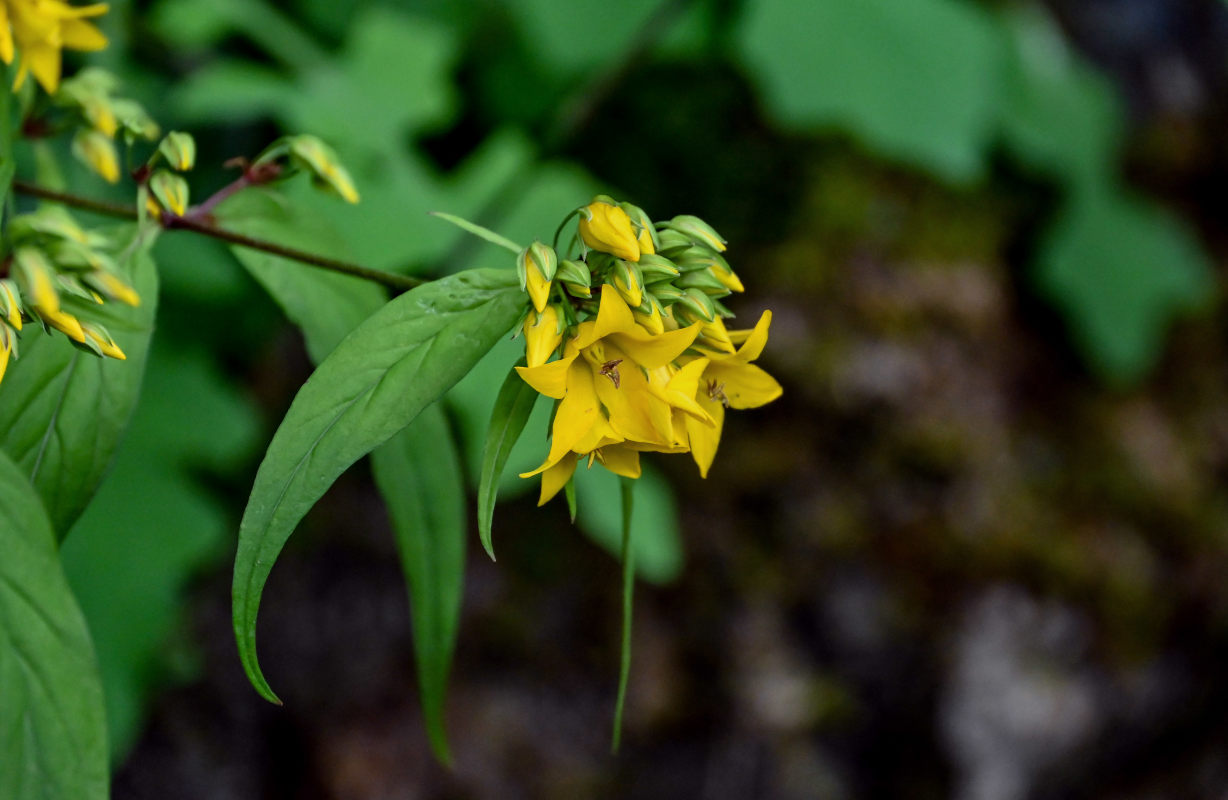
372, 385
1059, 114
513, 405
62, 411
53, 739
598, 31
128, 573
324, 305
657, 543
419, 475
916, 80
1121, 270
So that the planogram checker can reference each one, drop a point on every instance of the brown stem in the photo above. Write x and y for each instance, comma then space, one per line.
171, 222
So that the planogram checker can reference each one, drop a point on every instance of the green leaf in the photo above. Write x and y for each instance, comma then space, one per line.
375, 383
128, 574
658, 544
326, 306
1121, 270
916, 80
512, 408
419, 474
479, 231
53, 740
63, 411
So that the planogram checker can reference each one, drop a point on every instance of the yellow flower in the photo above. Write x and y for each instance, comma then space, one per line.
602, 383
542, 335
729, 380
607, 229
41, 29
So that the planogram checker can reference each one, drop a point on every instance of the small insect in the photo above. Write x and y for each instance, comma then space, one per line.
717, 392
610, 370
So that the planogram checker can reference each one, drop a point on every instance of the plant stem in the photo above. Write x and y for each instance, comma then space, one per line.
624, 665
171, 222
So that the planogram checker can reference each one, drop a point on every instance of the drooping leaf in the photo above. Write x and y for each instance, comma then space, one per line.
915, 80
53, 740
326, 306
1121, 270
154, 525
63, 411
372, 385
658, 544
513, 405
418, 473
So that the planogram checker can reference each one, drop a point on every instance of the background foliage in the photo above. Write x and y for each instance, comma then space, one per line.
974, 551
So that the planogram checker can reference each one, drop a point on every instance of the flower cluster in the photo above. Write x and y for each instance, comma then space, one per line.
99, 117
644, 361
57, 272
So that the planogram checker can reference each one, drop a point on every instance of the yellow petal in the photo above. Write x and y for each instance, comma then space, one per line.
6, 36
5, 349
63, 322
705, 439
744, 385
549, 379
556, 477
77, 34
651, 351
44, 62
620, 460
753, 341
613, 316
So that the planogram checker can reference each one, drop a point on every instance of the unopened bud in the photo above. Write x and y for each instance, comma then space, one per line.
10, 306
171, 190
607, 229
179, 150
542, 334
628, 281
696, 306
645, 234
649, 316
698, 231
97, 339
704, 280
671, 242
575, 276
36, 277
657, 268
96, 150
321, 161
535, 265
134, 120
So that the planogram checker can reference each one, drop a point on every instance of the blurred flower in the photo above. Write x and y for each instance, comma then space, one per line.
40, 29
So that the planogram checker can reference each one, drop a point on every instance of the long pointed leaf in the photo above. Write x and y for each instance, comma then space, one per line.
374, 384
419, 474
53, 739
512, 408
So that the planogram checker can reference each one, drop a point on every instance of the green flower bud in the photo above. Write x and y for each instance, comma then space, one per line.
657, 268
695, 306
535, 266
134, 120
628, 281
96, 150
544, 258
698, 231
665, 293
575, 277
171, 191
311, 154
704, 280
10, 305
179, 150
671, 242
606, 228
645, 234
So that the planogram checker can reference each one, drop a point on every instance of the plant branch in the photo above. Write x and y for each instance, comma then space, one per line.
171, 222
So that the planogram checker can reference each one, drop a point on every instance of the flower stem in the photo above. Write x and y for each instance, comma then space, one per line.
189, 223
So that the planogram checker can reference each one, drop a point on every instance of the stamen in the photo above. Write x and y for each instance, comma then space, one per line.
610, 370
717, 392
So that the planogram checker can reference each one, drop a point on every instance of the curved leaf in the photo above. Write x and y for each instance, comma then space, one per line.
63, 411
419, 474
53, 740
374, 384
512, 408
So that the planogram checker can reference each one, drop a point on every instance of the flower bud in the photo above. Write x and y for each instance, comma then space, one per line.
666, 293
10, 306
671, 242
36, 277
714, 334
535, 266
607, 229
696, 306
698, 231
627, 280
96, 150
8, 345
179, 150
135, 121
657, 268
112, 286
543, 332
97, 338
575, 277
321, 161
171, 191
649, 316
645, 234
702, 279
